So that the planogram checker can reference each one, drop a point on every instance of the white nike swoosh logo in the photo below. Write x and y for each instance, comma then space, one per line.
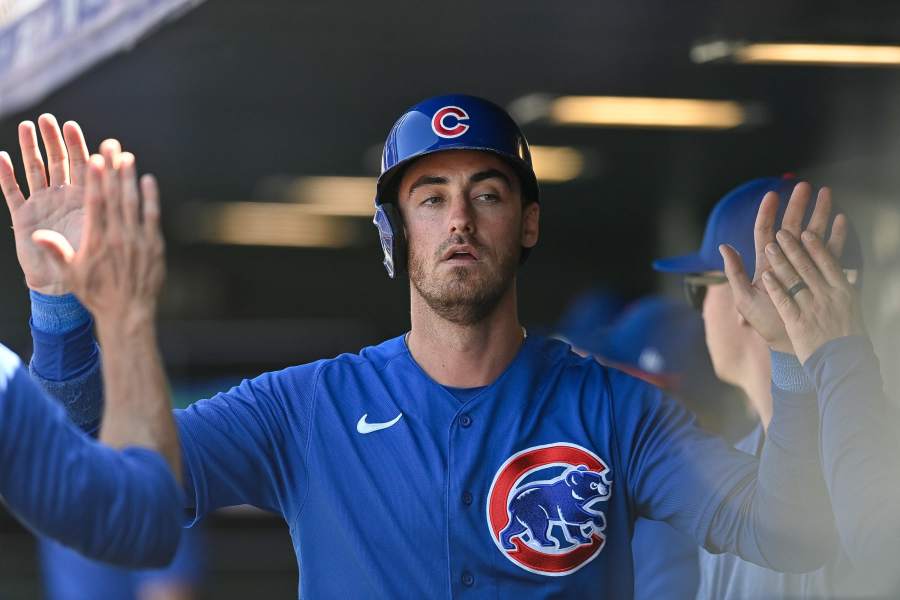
363, 427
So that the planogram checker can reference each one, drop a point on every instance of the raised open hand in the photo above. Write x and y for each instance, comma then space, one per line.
810, 291
118, 270
56, 202
751, 297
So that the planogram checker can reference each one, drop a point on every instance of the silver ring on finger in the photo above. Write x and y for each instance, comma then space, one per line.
796, 288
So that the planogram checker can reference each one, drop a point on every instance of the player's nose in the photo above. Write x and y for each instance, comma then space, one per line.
460, 216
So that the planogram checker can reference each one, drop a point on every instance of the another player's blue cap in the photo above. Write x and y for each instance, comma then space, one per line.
656, 339
587, 317
731, 222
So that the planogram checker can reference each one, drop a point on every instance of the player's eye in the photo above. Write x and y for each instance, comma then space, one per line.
489, 198
432, 200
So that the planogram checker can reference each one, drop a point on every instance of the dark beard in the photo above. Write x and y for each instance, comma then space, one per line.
464, 299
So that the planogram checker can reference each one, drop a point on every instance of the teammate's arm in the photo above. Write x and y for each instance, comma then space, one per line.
117, 506
226, 440
773, 512
66, 358
860, 452
118, 272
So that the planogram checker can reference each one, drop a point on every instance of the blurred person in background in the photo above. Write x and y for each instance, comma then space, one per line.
743, 358
67, 575
586, 318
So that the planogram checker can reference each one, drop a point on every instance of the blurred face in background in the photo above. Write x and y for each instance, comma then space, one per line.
466, 226
726, 335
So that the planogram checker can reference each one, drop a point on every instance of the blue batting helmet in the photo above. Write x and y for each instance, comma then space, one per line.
449, 122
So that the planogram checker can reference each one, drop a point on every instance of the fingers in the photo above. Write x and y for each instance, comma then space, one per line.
734, 271
824, 260
818, 222
94, 213
77, 150
57, 158
838, 236
787, 309
150, 192
796, 209
130, 198
9, 185
111, 149
764, 229
35, 174
112, 200
792, 265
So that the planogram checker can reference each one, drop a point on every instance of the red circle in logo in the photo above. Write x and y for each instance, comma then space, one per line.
447, 122
504, 488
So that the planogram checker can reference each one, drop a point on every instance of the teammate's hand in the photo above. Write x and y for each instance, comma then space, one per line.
57, 204
751, 298
118, 271
825, 306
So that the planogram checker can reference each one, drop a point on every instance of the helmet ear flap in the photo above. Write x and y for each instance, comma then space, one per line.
393, 238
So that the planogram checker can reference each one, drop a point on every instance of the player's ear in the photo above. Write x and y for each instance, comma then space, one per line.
531, 214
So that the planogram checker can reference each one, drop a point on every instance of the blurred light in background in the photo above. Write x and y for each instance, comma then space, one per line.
632, 111
264, 224
557, 164
626, 111
337, 196
852, 55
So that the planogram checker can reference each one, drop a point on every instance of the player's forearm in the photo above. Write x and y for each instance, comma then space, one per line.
137, 410
121, 507
791, 509
860, 453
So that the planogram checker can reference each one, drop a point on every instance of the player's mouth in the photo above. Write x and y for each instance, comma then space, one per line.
463, 254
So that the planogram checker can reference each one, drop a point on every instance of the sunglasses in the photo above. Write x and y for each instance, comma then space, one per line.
695, 287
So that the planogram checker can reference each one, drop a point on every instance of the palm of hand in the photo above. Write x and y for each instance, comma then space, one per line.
58, 208
762, 315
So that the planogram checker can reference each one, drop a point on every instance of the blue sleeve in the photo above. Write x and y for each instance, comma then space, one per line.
116, 506
860, 452
773, 512
248, 445
666, 562
66, 358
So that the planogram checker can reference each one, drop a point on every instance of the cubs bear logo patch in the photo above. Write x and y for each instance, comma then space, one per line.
544, 508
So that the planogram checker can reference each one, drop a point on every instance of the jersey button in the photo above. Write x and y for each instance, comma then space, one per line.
468, 579
467, 498
465, 420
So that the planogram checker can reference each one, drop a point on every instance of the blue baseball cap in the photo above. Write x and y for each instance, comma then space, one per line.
731, 222
657, 339
587, 317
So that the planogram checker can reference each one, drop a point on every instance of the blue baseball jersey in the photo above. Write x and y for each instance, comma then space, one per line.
396, 486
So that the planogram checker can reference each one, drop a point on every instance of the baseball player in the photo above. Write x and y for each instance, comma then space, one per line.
466, 457
856, 453
118, 506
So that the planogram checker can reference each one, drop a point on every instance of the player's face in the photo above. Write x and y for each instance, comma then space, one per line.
725, 335
466, 227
